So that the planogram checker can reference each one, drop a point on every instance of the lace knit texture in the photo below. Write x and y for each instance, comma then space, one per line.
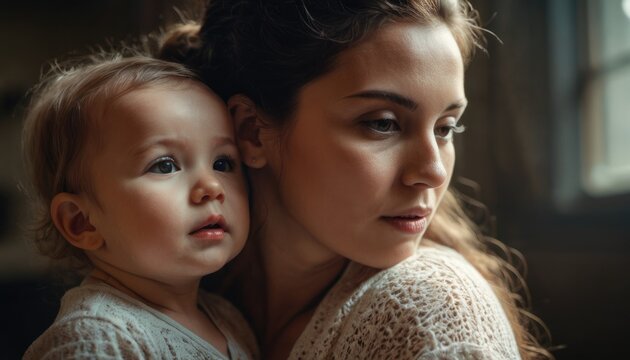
434, 305
96, 321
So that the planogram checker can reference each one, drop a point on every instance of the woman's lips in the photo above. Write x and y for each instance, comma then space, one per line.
408, 224
411, 221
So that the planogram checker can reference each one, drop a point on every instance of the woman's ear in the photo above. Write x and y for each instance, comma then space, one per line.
70, 216
247, 125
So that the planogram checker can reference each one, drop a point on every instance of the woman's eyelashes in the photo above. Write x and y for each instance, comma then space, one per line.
445, 132
164, 165
388, 126
382, 126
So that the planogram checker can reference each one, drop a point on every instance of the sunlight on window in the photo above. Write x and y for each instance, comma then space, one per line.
625, 5
607, 127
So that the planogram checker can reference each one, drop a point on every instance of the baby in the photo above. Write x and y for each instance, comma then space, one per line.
135, 163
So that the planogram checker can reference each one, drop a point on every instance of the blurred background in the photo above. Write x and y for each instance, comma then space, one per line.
548, 143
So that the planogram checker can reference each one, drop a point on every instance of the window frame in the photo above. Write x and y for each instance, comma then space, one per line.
571, 77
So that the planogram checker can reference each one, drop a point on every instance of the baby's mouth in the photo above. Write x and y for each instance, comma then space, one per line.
213, 223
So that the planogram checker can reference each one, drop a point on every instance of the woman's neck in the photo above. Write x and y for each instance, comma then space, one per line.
295, 285
298, 272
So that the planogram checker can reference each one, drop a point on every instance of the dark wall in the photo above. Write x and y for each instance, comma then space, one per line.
32, 33
523, 149
579, 260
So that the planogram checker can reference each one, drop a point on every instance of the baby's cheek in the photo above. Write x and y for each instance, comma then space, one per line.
156, 208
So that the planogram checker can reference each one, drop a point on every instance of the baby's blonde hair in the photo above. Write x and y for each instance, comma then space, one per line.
62, 116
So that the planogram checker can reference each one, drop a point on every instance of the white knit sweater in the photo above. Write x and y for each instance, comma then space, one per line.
434, 305
96, 321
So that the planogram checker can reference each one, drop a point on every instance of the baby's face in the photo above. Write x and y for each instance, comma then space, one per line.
171, 198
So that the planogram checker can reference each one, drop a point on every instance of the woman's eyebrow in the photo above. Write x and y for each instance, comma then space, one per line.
386, 95
402, 100
457, 105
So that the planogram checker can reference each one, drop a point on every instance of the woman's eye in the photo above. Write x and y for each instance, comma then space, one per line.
164, 166
446, 132
223, 164
383, 125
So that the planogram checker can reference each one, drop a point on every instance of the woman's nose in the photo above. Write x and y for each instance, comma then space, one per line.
207, 188
424, 165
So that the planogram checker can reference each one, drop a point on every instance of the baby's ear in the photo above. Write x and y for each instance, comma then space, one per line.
247, 125
70, 216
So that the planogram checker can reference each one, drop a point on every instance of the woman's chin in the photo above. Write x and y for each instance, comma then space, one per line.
385, 259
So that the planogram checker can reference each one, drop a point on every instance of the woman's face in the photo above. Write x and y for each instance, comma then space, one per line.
369, 151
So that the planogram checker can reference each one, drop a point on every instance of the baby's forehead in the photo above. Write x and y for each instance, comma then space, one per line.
163, 87
155, 95
184, 108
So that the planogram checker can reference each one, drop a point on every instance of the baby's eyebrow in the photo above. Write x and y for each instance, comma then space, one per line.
223, 140
177, 143
165, 142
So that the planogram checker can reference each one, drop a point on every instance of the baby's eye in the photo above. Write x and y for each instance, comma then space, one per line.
164, 166
382, 125
223, 164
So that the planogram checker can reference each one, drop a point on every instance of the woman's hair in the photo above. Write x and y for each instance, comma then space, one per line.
268, 50
62, 119
451, 226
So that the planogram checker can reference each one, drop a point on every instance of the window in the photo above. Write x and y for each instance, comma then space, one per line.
606, 119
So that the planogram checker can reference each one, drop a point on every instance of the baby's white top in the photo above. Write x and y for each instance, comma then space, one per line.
96, 321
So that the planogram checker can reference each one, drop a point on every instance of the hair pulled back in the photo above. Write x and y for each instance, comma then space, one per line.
269, 49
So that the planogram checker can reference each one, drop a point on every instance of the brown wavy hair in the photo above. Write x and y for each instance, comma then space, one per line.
268, 50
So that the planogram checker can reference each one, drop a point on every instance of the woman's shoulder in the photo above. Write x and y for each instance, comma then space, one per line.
439, 266
432, 305
437, 304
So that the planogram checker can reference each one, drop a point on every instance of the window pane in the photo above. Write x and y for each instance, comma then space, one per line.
615, 29
616, 96
607, 127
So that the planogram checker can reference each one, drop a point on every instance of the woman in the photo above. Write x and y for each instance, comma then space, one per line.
345, 113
